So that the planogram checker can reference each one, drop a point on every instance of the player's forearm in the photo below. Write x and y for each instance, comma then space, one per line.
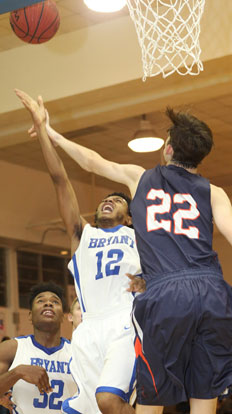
54, 164
87, 159
8, 379
91, 161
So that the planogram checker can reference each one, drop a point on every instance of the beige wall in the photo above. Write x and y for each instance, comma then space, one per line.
28, 197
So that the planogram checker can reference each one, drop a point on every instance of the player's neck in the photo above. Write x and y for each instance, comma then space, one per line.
191, 170
47, 339
108, 223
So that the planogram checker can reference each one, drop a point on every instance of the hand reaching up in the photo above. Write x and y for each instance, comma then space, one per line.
36, 108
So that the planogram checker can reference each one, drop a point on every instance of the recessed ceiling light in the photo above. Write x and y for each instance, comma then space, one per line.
105, 6
147, 144
145, 139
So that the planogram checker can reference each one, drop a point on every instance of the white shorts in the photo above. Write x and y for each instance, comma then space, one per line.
103, 360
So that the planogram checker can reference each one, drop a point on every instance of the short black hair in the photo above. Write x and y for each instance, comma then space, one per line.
46, 287
190, 138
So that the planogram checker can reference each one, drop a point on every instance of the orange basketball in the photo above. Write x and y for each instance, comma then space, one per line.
37, 23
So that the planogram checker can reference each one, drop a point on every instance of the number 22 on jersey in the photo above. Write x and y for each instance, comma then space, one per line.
176, 224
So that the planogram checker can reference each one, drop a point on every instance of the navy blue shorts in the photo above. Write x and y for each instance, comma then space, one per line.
183, 339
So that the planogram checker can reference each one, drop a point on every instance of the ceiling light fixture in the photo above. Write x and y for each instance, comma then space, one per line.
145, 139
105, 6
64, 252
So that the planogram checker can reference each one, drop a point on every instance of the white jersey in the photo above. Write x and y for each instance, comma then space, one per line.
103, 360
99, 267
102, 345
26, 397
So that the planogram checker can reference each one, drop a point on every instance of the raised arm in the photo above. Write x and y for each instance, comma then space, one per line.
91, 161
222, 211
66, 197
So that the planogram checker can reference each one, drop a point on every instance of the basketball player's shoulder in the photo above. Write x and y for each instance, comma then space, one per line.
130, 231
25, 345
87, 230
89, 227
217, 194
8, 350
65, 343
152, 172
64, 349
25, 338
215, 189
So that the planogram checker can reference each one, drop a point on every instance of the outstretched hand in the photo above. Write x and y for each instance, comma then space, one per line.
137, 283
32, 131
36, 108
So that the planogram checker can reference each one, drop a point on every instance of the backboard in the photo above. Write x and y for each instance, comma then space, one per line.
9, 5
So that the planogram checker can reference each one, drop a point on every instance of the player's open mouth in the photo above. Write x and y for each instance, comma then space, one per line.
107, 208
48, 312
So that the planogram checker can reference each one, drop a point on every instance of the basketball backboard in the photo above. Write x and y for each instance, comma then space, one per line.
9, 5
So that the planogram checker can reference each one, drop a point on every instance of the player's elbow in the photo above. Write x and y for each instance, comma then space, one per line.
58, 180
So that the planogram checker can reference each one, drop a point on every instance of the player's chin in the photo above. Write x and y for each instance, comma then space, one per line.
106, 215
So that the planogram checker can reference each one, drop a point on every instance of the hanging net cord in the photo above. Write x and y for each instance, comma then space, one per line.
168, 33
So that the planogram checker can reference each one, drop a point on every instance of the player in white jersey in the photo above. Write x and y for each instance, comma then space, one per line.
105, 333
103, 355
36, 367
104, 256
55, 360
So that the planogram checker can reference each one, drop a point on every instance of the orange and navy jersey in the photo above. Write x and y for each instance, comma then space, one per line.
173, 222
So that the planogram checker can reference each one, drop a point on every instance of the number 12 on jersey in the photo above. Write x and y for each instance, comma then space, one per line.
109, 267
191, 213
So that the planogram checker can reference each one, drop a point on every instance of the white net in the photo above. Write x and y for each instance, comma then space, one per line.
168, 33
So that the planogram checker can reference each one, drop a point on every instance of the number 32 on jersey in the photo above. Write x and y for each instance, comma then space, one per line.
176, 224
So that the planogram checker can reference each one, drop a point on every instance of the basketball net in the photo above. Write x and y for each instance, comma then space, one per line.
168, 33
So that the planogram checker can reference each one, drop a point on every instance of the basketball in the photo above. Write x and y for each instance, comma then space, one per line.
37, 23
